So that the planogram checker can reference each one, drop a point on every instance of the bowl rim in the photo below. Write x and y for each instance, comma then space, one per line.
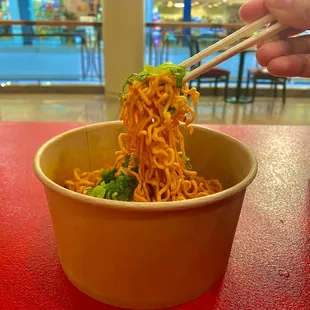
145, 206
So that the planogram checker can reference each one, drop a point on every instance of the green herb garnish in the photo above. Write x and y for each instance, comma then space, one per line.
172, 110
176, 70
126, 161
98, 191
121, 189
187, 161
133, 77
136, 167
108, 176
114, 188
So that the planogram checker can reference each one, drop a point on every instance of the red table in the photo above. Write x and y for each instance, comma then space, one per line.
270, 262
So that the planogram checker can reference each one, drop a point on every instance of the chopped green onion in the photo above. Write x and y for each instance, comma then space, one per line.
115, 188
126, 161
188, 163
98, 191
172, 110
108, 176
178, 71
136, 167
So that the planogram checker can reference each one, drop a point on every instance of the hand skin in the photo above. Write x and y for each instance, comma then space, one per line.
286, 56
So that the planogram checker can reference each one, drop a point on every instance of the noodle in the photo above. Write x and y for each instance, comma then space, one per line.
152, 150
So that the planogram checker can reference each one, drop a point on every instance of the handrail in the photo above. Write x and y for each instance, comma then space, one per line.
97, 24
56, 23
193, 25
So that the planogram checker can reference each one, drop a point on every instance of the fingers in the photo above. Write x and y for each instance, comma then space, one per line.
290, 57
253, 10
280, 36
273, 50
292, 13
290, 66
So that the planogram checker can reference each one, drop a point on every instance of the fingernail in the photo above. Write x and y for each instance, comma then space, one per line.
280, 4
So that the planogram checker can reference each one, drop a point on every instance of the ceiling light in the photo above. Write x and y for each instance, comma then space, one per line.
179, 5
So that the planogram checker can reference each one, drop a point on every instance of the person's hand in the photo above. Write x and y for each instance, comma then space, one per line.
289, 56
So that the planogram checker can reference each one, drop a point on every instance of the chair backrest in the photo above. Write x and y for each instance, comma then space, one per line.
196, 45
193, 49
191, 43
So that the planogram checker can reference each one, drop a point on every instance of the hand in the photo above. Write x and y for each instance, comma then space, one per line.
288, 56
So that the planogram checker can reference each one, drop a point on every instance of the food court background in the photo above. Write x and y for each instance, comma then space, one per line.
57, 51
219, 12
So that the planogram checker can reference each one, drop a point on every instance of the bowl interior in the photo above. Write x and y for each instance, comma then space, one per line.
212, 154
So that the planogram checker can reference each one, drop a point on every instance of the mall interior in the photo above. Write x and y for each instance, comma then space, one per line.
66, 61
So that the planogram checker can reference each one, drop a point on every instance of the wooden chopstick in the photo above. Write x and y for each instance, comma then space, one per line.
241, 33
264, 35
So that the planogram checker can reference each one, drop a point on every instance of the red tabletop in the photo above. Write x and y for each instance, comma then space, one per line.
269, 266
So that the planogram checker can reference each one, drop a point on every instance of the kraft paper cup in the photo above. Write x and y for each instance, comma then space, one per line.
143, 255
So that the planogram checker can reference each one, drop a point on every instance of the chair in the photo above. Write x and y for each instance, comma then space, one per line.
215, 75
262, 76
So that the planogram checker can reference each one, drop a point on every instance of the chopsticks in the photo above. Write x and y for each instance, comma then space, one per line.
232, 51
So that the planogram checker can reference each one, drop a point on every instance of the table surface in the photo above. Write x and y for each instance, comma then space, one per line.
269, 266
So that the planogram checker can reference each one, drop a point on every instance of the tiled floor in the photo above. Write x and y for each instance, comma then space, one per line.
94, 108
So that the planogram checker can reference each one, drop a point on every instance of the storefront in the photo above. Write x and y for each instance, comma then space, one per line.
4, 10
47, 10
66, 9
212, 11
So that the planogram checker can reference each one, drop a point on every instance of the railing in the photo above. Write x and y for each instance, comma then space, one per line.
99, 24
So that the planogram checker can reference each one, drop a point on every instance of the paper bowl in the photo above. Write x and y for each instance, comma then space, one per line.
143, 255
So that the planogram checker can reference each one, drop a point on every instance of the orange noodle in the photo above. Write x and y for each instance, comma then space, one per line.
152, 148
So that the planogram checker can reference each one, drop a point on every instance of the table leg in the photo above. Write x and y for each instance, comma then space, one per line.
238, 98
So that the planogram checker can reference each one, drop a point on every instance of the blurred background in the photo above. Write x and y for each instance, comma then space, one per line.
52, 62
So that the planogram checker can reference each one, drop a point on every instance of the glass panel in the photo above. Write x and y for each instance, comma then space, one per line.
63, 41
50, 49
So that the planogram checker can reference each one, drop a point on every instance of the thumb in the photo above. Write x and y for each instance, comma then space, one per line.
292, 13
